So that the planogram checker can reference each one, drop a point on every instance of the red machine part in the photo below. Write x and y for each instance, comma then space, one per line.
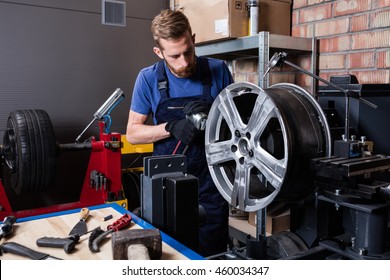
105, 158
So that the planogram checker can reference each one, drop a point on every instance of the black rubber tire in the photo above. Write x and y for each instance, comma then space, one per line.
29, 152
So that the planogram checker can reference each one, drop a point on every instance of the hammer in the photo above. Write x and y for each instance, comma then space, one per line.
141, 244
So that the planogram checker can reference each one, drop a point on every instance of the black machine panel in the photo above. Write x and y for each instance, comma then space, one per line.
364, 120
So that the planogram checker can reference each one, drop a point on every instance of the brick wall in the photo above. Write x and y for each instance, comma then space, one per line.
354, 36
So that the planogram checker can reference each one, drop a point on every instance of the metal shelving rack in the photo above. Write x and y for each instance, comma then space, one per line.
262, 46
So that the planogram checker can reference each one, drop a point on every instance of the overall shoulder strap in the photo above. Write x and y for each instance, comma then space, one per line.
162, 79
206, 77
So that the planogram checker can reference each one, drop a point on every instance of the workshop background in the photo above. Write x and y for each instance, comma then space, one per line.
58, 56
68, 57
353, 38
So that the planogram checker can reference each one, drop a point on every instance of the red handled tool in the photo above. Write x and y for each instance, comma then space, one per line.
97, 235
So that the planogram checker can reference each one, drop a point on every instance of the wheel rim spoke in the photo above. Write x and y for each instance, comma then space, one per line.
262, 113
272, 168
239, 195
218, 153
229, 112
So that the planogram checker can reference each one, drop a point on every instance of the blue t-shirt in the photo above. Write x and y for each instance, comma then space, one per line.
146, 95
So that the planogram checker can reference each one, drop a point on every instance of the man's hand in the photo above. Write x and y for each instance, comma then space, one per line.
195, 107
182, 130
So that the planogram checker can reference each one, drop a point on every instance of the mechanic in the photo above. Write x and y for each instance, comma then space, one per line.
181, 84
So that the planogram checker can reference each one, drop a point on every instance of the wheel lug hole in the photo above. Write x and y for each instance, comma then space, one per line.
234, 148
237, 133
250, 153
248, 135
242, 160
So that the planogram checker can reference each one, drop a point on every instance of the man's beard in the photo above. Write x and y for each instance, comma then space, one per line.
184, 72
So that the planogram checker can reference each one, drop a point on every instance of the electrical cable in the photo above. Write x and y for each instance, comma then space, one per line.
116, 103
132, 188
177, 147
134, 161
107, 123
134, 180
108, 117
131, 180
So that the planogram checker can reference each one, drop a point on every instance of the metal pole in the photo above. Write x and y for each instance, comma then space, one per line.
261, 223
346, 92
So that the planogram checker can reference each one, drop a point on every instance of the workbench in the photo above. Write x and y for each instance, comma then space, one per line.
58, 224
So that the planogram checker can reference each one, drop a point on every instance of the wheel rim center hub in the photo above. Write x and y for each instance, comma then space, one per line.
244, 147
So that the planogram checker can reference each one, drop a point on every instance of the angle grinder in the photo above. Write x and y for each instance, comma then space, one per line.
198, 120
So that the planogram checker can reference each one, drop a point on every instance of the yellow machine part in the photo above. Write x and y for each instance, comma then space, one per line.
128, 148
122, 203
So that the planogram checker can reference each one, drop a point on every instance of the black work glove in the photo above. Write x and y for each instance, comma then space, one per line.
195, 107
182, 130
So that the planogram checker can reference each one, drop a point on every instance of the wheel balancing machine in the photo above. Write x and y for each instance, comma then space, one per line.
29, 154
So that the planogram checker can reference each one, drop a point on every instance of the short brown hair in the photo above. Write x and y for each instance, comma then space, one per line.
169, 24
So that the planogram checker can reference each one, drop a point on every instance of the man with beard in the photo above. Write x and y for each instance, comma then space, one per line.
181, 84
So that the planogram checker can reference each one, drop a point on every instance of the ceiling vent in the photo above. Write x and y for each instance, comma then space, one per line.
114, 12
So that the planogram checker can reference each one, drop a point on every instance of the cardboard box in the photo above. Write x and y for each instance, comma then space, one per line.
226, 19
274, 223
215, 20
275, 16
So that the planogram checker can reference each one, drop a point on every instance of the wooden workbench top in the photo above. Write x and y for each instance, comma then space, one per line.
28, 230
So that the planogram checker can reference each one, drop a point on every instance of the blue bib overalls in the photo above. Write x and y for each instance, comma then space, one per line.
213, 235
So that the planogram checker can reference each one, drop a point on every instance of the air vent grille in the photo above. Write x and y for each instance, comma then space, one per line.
114, 12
